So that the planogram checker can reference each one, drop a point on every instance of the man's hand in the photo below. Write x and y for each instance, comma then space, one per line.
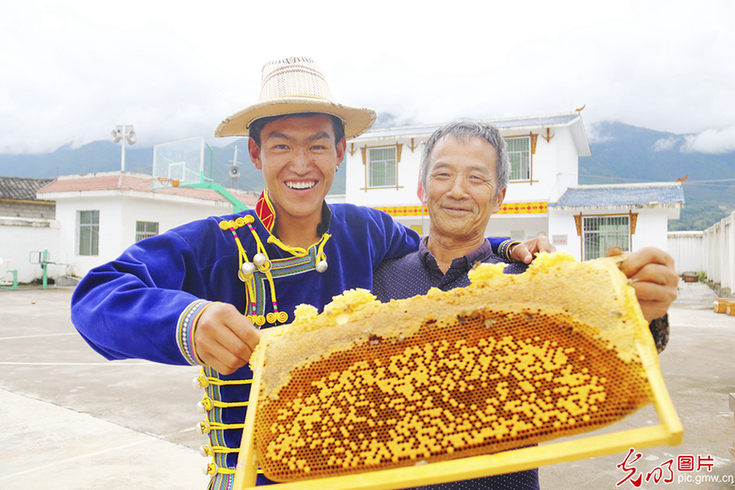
653, 277
526, 251
224, 339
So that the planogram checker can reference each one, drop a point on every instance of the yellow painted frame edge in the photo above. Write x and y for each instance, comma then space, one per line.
670, 432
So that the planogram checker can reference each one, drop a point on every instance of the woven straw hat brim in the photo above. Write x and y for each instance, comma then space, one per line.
357, 119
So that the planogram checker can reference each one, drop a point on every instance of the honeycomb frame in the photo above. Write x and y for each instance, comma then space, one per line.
398, 467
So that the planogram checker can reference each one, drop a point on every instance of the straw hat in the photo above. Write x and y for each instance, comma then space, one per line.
292, 86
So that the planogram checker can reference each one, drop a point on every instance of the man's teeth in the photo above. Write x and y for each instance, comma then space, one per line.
301, 185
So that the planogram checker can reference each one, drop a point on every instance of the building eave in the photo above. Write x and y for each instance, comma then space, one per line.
513, 125
617, 207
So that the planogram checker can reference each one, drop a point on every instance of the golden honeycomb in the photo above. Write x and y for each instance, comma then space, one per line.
507, 362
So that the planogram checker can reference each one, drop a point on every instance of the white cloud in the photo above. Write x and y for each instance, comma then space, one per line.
711, 141
665, 144
174, 70
595, 136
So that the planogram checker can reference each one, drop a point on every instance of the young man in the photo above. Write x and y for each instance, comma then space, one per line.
464, 176
198, 294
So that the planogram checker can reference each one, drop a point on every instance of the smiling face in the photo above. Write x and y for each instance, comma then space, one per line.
298, 157
461, 189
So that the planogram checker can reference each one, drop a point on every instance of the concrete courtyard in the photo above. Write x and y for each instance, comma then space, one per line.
76, 421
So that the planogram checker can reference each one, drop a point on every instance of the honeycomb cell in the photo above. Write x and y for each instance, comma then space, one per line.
432, 378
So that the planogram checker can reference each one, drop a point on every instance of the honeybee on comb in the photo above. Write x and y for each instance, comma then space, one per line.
509, 361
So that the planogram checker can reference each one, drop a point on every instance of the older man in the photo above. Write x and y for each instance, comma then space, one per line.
464, 175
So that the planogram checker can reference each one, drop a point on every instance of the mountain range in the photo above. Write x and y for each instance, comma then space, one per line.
620, 154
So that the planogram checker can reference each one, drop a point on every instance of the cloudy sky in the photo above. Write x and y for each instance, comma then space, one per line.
73, 70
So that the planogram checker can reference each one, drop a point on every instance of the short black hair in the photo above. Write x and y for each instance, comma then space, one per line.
257, 126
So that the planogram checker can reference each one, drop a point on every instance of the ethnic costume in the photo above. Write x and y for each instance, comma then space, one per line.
145, 303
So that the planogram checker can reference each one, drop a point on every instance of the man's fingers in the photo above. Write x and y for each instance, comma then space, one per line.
651, 291
641, 258
542, 244
655, 289
219, 357
524, 252
224, 339
613, 251
246, 336
520, 253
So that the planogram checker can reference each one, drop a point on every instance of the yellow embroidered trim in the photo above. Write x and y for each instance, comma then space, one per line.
206, 426
208, 403
213, 469
205, 381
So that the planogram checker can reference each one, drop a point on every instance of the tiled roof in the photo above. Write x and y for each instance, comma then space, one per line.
655, 194
135, 182
21, 188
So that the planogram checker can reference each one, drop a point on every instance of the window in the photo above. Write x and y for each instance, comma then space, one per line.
382, 167
603, 232
144, 229
519, 153
89, 232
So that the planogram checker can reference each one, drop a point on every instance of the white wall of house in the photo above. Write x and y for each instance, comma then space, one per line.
567, 165
118, 213
543, 172
517, 227
652, 229
686, 247
719, 255
404, 194
19, 238
563, 232
27, 209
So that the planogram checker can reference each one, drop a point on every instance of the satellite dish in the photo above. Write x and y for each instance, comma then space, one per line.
234, 172
131, 137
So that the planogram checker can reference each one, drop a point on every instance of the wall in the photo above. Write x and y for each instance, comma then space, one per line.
719, 255
408, 176
686, 249
651, 229
544, 167
561, 224
21, 236
27, 209
118, 213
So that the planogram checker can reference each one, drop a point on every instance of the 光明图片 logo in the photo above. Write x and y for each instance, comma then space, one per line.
684, 468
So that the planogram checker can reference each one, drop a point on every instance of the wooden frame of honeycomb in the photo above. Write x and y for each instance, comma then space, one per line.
454, 385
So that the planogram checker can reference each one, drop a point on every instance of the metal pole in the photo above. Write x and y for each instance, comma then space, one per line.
122, 158
45, 265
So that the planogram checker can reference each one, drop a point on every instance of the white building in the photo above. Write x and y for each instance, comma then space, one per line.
543, 197
102, 214
588, 219
27, 229
99, 215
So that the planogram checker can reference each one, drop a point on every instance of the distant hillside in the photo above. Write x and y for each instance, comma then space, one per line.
620, 154
626, 154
